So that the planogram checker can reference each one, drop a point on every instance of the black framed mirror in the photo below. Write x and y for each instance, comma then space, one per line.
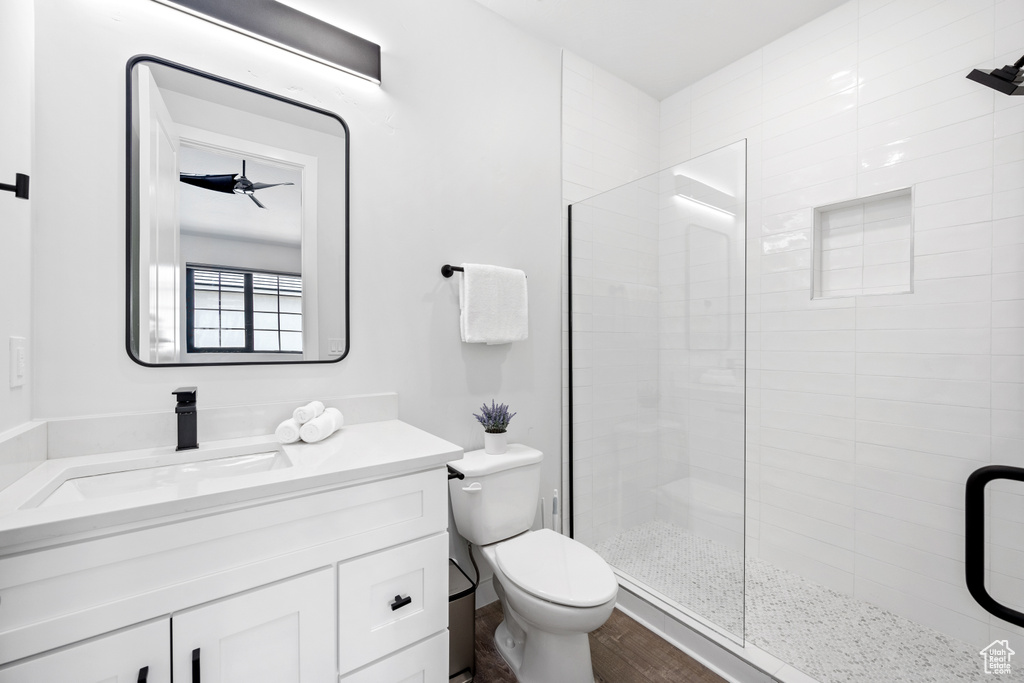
237, 222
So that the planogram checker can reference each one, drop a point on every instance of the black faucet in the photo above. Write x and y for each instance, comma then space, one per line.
186, 410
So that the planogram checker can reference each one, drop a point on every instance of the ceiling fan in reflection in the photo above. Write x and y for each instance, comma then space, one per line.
229, 184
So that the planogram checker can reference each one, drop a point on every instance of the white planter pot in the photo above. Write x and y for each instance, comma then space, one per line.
495, 444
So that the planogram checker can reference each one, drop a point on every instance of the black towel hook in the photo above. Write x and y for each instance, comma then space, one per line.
448, 270
19, 188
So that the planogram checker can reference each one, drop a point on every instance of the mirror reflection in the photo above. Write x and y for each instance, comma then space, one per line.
238, 223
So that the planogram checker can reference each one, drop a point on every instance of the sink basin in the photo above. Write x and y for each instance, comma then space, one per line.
185, 471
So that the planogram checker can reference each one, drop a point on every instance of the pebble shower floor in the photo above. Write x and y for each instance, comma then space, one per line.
830, 636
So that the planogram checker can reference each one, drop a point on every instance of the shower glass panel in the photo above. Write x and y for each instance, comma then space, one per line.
657, 386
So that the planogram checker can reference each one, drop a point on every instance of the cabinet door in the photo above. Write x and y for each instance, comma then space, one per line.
138, 654
283, 632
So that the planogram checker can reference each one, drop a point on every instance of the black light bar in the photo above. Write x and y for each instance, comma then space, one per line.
292, 30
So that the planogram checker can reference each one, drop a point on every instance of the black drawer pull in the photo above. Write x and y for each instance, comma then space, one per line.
195, 665
400, 602
143, 674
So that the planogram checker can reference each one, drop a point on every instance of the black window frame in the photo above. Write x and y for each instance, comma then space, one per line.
248, 309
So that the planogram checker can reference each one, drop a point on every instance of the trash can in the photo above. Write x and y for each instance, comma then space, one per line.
461, 625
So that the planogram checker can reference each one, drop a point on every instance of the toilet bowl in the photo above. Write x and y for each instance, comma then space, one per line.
553, 590
556, 602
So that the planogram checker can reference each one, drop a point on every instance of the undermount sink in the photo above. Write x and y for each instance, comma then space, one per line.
183, 470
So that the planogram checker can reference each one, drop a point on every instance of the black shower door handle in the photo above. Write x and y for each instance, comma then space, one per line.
974, 538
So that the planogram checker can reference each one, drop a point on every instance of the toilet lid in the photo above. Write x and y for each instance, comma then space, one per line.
556, 568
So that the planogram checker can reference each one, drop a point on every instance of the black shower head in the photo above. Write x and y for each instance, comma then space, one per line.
1008, 80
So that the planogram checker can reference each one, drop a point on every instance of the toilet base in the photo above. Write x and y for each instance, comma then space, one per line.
546, 657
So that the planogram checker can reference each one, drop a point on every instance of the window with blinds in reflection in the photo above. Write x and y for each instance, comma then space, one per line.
231, 310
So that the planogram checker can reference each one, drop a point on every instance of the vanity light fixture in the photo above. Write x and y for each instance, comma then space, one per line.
287, 28
1008, 80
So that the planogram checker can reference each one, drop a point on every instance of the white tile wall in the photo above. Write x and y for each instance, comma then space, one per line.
865, 414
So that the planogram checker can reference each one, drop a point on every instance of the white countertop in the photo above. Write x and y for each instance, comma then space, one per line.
356, 453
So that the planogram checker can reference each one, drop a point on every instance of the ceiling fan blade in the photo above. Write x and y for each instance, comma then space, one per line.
216, 182
253, 197
263, 186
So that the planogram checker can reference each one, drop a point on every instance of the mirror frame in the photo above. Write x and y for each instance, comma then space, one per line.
130, 200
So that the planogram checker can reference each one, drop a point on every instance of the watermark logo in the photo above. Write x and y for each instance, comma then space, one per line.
997, 657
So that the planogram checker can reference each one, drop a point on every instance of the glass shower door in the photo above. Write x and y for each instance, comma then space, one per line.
657, 276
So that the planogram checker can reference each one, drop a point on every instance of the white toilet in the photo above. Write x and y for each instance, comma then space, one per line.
553, 590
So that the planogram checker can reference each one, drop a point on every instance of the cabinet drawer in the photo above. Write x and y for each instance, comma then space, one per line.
371, 622
425, 662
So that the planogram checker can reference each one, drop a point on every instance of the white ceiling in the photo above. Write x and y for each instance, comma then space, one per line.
660, 46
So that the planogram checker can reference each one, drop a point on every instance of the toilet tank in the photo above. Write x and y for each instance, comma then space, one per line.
498, 497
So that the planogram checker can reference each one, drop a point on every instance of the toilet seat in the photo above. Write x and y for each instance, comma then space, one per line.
556, 568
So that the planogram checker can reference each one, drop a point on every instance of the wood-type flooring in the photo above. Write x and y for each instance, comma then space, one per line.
622, 651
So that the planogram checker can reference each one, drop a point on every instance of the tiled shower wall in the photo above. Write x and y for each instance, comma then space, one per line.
866, 414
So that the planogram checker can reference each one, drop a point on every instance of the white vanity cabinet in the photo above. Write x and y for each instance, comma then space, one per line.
341, 582
135, 655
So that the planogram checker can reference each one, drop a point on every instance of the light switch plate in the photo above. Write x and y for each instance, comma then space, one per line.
19, 361
337, 347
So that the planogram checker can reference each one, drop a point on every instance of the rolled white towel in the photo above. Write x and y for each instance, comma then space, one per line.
288, 431
319, 428
304, 414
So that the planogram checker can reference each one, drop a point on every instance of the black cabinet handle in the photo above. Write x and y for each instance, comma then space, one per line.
143, 674
974, 538
195, 665
400, 602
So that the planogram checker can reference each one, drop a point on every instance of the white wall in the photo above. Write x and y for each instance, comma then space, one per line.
866, 414
219, 251
455, 158
16, 133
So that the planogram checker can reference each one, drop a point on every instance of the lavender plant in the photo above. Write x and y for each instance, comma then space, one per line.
494, 419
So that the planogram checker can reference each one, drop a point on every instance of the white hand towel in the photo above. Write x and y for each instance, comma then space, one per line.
494, 304
319, 428
288, 431
304, 414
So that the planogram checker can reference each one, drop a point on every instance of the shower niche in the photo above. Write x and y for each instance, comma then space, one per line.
864, 246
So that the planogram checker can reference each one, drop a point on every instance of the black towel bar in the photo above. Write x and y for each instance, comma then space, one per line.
20, 187
449, 270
